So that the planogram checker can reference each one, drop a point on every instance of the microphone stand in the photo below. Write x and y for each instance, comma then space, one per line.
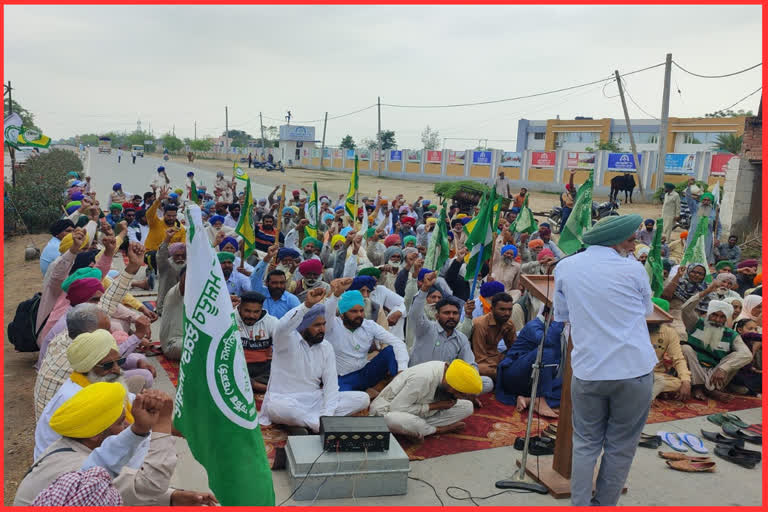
518, 482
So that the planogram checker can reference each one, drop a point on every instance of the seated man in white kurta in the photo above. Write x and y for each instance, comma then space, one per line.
303, 383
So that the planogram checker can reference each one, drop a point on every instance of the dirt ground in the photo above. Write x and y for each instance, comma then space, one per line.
21, 279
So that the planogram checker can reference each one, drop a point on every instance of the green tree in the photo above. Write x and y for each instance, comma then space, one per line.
347, 142
730, 113
430, 139
201, 145
609, 145
388, 139
172, 143
239, 138
729, 142
27, 117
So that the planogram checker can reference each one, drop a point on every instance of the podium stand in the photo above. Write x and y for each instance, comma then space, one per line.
557, 478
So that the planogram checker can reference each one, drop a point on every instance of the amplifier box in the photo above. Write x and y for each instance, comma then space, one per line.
354, 433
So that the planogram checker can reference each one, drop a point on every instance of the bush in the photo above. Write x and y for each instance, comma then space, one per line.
40, 186
448, 189
679, 188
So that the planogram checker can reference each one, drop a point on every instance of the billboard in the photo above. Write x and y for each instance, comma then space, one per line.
456, 157
297, 133
414, 156
623, 162
543, 159
580, 160
434, 157
720, 163
679, 163
350, 154
482, 157
511, 159
364, 154
396, 155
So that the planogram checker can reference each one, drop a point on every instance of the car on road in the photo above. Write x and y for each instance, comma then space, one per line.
139, 149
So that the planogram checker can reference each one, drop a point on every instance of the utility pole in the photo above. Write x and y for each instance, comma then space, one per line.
263, 143
664, 119
195, 130
174, 130
11, 151
322, 147
379, 137
635, 156
226, 132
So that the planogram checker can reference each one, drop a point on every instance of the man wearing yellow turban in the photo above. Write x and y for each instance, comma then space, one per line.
429, 398
93, 429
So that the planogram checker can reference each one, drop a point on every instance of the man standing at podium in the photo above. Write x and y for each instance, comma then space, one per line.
606, 297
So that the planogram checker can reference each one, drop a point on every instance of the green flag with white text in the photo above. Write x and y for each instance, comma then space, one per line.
580, 219
214, 407
524, 222
653, 265
695, 251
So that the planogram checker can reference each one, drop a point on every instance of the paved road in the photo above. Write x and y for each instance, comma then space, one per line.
135, 178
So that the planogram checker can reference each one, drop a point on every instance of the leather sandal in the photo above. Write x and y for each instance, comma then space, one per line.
722, 418
717, 437
652, 442
735, 431
690, 466
682, 456
736, 456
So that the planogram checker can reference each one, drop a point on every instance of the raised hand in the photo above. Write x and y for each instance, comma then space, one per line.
469, 307
429, 281
135, 257
314, 296
339, 286
170, 232
110, 244
78, 238
411, 259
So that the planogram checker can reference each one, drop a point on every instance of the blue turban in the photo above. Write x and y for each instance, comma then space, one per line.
363, 281
160, 169
216, 218
310, 316
338, 208
423, 272
117, 186
173, 195
544, 225
77, 196
350, 299
287, 253
649, 221
190, 173
491, 288
344, 231
425, 202
73, 173
73, 209
229, 240
328, 216
509, 247
465, 220
288, 209
515, 209
209, 204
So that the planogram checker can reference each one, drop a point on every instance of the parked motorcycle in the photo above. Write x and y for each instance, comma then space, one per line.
269, 166
685, 216
599, 211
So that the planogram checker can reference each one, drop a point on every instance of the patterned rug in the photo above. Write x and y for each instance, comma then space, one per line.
495, 424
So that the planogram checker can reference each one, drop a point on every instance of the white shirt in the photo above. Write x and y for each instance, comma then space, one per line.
351, 347
393, 302
138, 235
299, 369
238, 283
229, 221
44, 434
606, 298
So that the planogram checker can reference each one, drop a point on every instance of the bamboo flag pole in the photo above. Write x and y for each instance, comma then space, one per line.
280, 217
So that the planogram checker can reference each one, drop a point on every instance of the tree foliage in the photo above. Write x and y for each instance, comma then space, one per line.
239, 138
172, 143
430, 139
730, 113
38, 194
729, 142
608, 145
347, 142
200, 145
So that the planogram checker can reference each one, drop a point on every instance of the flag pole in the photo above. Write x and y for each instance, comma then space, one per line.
477, 270
280, 217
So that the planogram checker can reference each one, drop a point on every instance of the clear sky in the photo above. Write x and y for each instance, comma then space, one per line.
85, 69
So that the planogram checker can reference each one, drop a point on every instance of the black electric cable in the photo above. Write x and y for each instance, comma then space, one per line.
304, 479
717, 76
432, 486
742, 99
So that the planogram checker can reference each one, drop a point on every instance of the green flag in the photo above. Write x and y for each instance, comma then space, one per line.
438, 247
480, 235
238, 172
245, 224
193, 192
654, 265
350, 205
524, 222
313, 212
695, 251
214, 407
580, 219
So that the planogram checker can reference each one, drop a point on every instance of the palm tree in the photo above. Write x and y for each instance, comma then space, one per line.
729, 142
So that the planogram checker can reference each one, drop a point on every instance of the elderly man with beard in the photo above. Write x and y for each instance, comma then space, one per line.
217, 229
236, 281
257, 330
506, 270
666, 344
304, 384
278, 301
708, 212
171, 257
171, 327
310, 270
94, 357
714, 352
606, 297
440, 340
352, 337
222, 190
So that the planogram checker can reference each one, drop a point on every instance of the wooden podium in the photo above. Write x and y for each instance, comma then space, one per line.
557, 478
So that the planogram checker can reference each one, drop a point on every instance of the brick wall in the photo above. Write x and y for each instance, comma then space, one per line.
753, 137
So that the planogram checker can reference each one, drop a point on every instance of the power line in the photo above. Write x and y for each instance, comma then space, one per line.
489, 102
635, 103
742, 99
717, 76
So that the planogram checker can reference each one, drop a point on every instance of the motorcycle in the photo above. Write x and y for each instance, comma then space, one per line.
269, 166
685, 216
599, 211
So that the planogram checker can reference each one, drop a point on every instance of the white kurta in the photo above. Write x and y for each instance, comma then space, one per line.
294, 393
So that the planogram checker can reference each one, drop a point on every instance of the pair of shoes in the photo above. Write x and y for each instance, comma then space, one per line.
648, 441
726, 417
690, 466
679, 441
740, 433
744, 458
680, 456
537, 445
720, 439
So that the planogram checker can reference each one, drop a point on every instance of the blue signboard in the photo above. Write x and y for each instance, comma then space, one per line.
622, 161
350, 154
679, 163
482, 157
396, 155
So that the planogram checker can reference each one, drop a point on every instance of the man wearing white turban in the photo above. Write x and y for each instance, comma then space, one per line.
714, 352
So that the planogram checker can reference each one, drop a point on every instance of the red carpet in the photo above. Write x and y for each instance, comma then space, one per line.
496, 424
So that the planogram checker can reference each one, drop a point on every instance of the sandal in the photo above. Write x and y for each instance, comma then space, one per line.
694, 442
690, 466
718, 438
734, 431
680, 456
726, 417
673, 440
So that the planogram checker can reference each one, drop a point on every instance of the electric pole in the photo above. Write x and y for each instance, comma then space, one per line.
11, 151
635, 156
322, 147
379, 137
195, 130
664, 119
263, 143
226, 132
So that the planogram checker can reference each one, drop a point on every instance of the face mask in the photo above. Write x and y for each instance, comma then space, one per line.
310, 282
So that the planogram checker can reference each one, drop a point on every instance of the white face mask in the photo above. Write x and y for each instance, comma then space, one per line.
310, 282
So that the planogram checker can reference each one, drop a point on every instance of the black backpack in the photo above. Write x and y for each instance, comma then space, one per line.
21, 331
